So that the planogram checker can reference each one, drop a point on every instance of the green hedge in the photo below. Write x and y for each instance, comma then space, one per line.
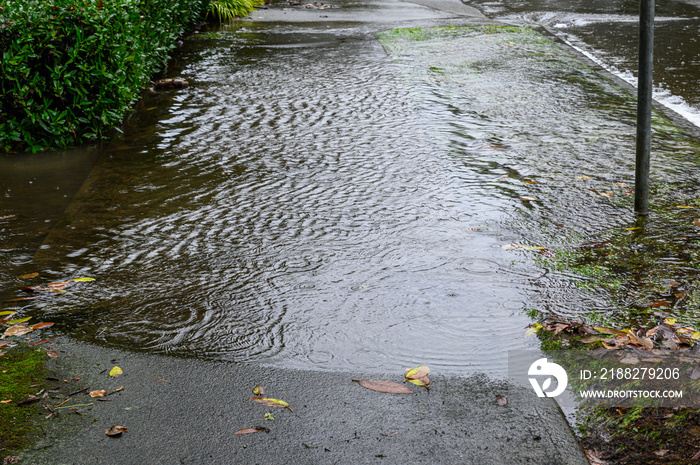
71, 69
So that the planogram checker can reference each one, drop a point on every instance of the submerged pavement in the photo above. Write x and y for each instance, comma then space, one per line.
185, 411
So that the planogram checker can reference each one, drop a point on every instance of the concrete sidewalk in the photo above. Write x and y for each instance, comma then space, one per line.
185, 411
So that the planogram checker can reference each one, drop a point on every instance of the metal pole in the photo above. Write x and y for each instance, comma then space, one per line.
646, 58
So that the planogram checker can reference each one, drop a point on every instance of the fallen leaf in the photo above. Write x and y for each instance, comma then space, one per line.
41, 325
533, 329
384, 386
607, 194
594, 457
31, 289
82, 280
161, 379
501, 400
258, 391
269, 402
6, 313
527, 197
527, 181
29, 276
416, 373
268, 416
424, 381
584, 178
683, 206
16, 331
41, 342
254, 429
114, 372
18, 321
620, 184
59, 285
614, 332
696, 221
5, 401
98, 393
115, 431
52, 353
661, 452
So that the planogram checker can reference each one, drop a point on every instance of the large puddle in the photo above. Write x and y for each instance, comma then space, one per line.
311, 201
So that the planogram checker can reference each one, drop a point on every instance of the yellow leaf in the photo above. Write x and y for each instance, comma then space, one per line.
83, 280
423, 381
614, 332
533, 329
670, 321
683, 206
634, 228
416, 373
695, 336
258, 391
269, 402
114, 372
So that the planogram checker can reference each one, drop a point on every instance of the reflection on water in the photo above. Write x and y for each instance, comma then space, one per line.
319, 205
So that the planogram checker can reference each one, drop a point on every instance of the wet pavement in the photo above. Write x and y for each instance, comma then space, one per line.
319, 207
186, 411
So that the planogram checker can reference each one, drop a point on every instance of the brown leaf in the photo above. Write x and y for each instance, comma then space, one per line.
115, 431
59, 285
41, 342
384, 386
98, 393
29, 276
254, 429
594, 457
16, 331
41, 325
258, 391
31, 289
52, 353
697, 222
661, 452
501, 400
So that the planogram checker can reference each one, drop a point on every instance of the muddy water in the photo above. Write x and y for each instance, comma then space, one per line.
314, 202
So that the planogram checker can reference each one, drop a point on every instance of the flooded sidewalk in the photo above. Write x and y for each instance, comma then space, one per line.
343, 191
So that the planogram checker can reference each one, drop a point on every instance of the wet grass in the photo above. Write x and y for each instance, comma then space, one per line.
418, 33
641, 269
22, 374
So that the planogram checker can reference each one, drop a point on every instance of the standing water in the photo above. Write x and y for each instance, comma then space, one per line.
316, 200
